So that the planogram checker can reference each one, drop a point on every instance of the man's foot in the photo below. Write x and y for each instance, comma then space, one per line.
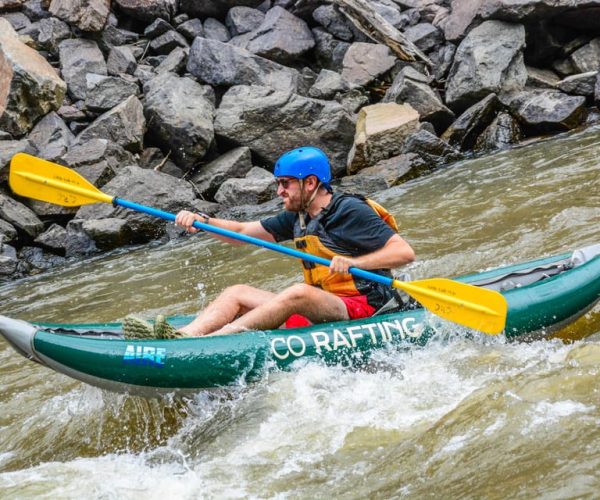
163, 330
137, 328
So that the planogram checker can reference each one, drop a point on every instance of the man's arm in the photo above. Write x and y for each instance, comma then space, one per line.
396, 252
255, 229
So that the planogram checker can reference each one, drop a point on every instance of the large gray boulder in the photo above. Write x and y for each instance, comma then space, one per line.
270, 122
106, 92
365, 62
463, 133
233, 164
179, 117
78, 58
542, 111
257, 187
587, 58
412, 87
281, 37
21, 217
489, 60
242, 19
124, 124
51, 137
146, 187
29, 86
221, 64
90, 15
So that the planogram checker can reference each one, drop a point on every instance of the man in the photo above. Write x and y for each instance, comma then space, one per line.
339, 227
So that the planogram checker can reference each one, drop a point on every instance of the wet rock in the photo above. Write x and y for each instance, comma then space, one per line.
98, 160
425, 36
433, 151
412, 87
168, 42
108, 233
543, 111
215, 8
281, 37
48, 34
157, 28
233, 164
328, 84
78, 57
334, 22
216, 30
20, 216
381, 130
564, 67
174, 63
10, 148
34, 260
18, 20
222, 64
90, 15
442, 61
8, 261
191, 29
329, 51
148, 10
362, 183
365, 62
106, 92
257, 187
51, 137
541, 78
179, 117
124, 124
146, 187
582, 84
112, 36
54, 239
463, 133
461, 19
503, 132
270, 122
121, 61
25, 74
242, 19
587, 58
78, 242
34, 9
489, 60
394, 170
8, 232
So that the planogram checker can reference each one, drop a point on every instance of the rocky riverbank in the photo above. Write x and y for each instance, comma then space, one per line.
185, 104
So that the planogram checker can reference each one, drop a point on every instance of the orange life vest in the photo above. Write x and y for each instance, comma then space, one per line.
315, 240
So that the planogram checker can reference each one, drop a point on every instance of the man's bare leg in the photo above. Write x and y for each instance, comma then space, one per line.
231, 303
316, 304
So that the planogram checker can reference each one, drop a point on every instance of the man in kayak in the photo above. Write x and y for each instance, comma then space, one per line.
346, 229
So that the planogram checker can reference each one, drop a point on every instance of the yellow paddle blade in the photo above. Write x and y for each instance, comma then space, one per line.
46, 181
468, 305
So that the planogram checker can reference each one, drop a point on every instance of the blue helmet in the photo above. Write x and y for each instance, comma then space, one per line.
302, 162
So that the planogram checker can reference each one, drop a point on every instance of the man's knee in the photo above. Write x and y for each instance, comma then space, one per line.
237, 291
297, 293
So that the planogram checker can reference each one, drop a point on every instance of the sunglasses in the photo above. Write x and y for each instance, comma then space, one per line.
285, 183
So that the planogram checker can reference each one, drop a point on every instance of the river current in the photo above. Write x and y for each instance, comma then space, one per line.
459, 418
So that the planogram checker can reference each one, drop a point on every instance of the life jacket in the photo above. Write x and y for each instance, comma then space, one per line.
315, 240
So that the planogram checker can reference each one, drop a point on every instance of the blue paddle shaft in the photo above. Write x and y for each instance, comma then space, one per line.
253, 241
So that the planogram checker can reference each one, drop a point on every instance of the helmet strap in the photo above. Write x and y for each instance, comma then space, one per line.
305, 206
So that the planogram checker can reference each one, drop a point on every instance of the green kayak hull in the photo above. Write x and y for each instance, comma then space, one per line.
543, 295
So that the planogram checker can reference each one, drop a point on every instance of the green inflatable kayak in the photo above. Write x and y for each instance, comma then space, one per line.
543, 295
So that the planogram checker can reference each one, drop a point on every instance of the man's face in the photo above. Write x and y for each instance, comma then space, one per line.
288, 188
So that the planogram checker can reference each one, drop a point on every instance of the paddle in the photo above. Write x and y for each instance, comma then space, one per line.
474, 307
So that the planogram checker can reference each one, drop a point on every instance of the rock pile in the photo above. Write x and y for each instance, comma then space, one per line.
187, 104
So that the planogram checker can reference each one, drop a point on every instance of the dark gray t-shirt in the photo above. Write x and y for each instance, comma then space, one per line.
353, 225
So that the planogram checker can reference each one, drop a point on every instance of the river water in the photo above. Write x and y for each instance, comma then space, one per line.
477, 418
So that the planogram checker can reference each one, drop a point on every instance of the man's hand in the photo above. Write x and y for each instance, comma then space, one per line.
185, 219
341, 264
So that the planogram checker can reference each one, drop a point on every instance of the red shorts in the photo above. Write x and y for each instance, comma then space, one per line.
357, 307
